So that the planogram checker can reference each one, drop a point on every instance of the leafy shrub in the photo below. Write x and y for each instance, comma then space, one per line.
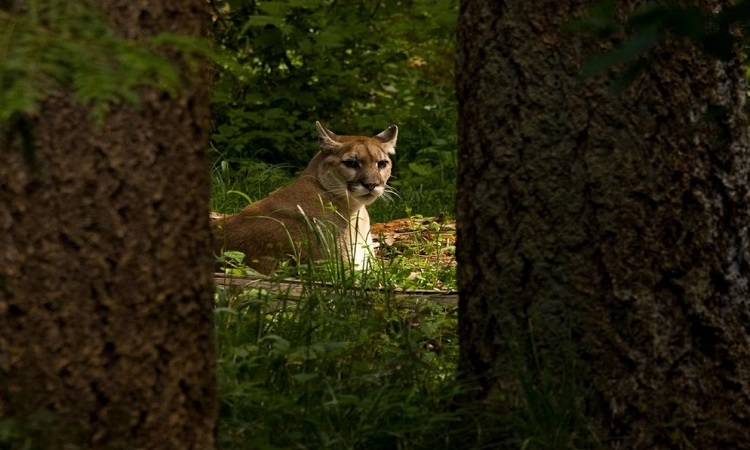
358, 66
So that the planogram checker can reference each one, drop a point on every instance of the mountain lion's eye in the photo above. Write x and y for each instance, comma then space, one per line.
382, 164
350, 163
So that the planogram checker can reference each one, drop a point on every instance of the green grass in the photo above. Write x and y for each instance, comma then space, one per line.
342, 369
235, 186
414, 200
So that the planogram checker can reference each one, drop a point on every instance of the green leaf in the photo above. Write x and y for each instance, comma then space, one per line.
421, 169
305, 377
262, 21
235, 256
279, 343
275, 9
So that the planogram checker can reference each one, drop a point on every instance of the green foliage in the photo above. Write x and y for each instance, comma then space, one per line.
54, 46
429, 201
358, 66
342, 364
248, 181
336, 369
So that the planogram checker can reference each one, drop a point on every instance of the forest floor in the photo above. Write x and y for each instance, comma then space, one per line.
432, 239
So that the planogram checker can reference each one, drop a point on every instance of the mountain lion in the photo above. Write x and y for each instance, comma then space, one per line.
323, 208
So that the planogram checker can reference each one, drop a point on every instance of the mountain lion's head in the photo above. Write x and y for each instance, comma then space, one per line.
356, 166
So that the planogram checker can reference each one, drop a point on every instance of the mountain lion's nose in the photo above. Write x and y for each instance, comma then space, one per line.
370, 186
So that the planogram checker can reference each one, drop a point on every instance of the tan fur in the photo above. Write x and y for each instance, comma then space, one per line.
348, 173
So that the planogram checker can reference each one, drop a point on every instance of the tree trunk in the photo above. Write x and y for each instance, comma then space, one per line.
604, 233
105, 265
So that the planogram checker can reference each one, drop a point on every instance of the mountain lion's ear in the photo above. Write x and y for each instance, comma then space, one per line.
327, 139
388, 138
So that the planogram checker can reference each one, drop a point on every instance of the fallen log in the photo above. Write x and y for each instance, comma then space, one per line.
291, 288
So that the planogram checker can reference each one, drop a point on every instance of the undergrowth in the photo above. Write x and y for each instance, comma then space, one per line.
340, 366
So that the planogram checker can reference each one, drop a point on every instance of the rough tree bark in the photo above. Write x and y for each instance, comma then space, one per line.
105, 264
611, 229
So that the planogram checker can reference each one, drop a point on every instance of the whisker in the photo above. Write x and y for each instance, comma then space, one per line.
391, 192
388, 196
